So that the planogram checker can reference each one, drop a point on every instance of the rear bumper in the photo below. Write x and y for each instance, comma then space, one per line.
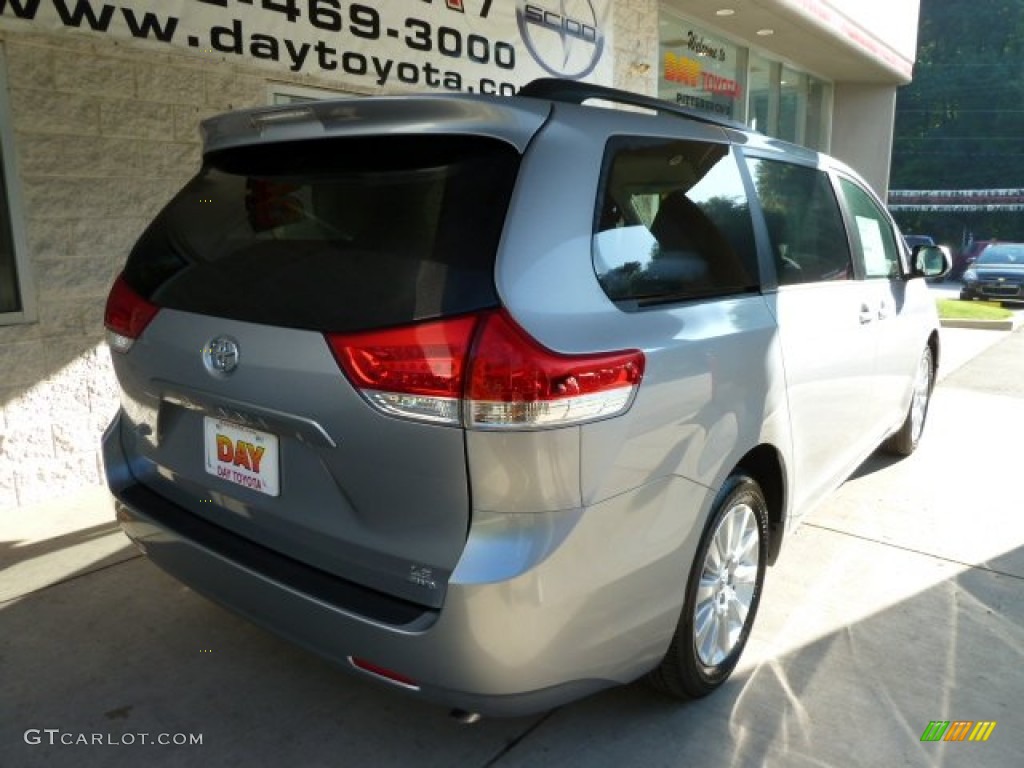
328, 629
543, 608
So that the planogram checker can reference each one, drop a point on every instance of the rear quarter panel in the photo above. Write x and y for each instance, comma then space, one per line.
713, 384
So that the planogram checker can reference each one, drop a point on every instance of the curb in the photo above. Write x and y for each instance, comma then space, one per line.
1009, 324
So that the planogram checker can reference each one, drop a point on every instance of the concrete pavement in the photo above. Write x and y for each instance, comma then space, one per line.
899, 601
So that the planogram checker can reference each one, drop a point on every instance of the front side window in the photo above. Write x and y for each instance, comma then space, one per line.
805, 226
872, 232
673, 223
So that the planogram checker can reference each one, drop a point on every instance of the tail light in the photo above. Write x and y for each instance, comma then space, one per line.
515, 382
486, 372
126, 316
414, 371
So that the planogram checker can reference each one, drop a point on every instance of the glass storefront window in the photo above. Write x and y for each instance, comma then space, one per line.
702, 70
804, 106
763, 94
699, 69
16, 300
819, 114
792, 106
785, 103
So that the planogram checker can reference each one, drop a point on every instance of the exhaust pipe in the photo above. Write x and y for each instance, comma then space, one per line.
462, 717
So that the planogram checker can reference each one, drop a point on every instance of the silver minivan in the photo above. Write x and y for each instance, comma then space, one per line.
503, 401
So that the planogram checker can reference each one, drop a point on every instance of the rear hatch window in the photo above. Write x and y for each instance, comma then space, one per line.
333, 234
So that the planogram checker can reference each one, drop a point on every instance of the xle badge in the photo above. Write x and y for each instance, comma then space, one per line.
422, 576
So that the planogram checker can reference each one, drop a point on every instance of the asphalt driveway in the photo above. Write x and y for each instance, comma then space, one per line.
899, 602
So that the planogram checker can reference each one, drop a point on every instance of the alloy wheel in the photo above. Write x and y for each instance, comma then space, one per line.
922, 391
727, 586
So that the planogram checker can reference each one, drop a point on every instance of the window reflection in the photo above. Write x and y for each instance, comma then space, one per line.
805, 226
674, 222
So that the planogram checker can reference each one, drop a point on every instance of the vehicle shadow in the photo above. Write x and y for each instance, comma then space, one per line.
876, 462
859, 695
13, 552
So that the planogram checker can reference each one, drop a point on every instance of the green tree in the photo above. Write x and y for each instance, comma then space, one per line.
960, 123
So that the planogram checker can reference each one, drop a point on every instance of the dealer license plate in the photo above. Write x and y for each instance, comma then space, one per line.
243, 456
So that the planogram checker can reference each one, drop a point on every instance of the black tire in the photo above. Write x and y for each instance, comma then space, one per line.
965, 296
686, 672
905, 441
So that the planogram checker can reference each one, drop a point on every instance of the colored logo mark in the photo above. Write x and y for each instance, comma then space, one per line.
680, 69
958, 730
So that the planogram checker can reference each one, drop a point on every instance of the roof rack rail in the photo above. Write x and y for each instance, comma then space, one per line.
576, 92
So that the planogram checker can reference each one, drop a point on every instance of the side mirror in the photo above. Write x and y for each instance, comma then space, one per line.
930, 261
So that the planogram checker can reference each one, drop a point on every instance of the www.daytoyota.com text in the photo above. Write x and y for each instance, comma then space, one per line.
331, 36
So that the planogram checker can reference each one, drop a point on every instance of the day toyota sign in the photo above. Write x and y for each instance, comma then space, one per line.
477, 46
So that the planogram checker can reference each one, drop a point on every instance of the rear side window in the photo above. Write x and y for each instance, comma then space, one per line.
805, 227
334, 234
673, 223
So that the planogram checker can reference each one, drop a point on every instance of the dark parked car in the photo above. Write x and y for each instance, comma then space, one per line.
997, 274
966, 257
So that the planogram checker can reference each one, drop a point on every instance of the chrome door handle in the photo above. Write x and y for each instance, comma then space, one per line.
866, 315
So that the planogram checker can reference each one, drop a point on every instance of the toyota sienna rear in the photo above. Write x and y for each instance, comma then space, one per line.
502, 401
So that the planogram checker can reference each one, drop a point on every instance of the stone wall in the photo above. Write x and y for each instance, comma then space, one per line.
636, 46
104, 135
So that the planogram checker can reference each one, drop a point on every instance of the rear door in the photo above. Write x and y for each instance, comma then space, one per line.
826, 325
235, 404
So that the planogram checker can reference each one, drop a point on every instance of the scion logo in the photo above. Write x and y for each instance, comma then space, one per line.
563, 36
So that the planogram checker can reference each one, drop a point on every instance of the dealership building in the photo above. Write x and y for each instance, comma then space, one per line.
101, 101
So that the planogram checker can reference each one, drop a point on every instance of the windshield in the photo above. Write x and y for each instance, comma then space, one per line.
1002, 254
913, 240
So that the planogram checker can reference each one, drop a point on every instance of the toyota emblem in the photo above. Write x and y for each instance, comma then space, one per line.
220, 356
